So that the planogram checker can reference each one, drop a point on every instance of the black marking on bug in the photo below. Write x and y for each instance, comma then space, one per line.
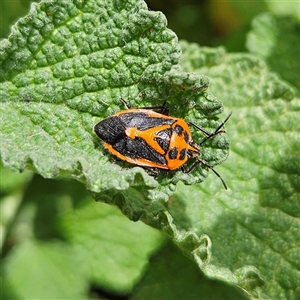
163, 143
163, 138
112, 131
138, 148
191, 153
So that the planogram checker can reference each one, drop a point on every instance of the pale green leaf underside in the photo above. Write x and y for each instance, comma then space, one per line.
43, 259
114, 250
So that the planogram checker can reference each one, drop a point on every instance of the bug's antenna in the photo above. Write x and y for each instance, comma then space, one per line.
217, 131
222, 124
125, 103
208, 136
210, 167
206, 133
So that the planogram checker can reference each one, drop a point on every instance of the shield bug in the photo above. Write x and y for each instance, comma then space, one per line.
153, 139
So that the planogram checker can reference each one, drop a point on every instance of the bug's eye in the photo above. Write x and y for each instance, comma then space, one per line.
191, 153
178, 130
173, 153
186, 137
182, 154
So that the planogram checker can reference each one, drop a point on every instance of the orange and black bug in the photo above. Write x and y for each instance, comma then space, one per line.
153, 139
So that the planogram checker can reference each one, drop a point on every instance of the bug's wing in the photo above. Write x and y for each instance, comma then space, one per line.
143, 120
138, 149
110, 130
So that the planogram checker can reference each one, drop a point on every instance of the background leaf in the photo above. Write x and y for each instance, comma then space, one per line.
282, 32
179, 279
45, 278
117, 263
65, 238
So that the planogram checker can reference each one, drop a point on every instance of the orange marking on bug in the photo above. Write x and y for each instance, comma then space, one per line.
148, 135
131, 132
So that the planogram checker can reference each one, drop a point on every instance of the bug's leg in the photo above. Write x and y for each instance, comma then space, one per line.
125, 103
210, 135
162, 109
199, 128
152, 171
222, 124
203, 162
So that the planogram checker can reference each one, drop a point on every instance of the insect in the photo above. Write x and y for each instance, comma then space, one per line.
153, 140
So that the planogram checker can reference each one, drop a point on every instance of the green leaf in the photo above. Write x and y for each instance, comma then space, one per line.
12, 187
254, 227
39, 270
284, 8
113, 249
179, 278
64, 68
58, 229
10, 11
275, 38
11, 182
